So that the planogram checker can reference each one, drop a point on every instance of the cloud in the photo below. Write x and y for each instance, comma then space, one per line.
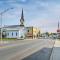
23, 0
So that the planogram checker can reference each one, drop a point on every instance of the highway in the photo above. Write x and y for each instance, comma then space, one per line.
36, 49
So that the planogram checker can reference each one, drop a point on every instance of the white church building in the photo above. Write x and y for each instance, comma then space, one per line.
20, 31
15, 31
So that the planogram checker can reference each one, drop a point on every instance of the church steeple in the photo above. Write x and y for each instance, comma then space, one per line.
22, 19
58, 24
58, 30
22, 15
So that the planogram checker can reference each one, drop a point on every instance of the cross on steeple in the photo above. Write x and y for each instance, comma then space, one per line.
22, 19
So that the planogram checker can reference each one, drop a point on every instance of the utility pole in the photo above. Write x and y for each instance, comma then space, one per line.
1, 20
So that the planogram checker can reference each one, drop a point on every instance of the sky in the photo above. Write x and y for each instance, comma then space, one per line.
43, 14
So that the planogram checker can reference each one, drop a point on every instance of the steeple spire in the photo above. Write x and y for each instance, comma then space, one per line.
22, 19
58, 24
22, 16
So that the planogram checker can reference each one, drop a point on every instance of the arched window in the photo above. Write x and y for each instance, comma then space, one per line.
12, 33
16, 33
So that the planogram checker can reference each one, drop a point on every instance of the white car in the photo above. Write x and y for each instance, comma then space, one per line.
21, 38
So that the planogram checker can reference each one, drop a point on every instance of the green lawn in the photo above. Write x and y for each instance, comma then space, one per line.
4, 39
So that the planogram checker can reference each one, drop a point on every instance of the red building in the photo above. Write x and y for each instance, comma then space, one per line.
58, 30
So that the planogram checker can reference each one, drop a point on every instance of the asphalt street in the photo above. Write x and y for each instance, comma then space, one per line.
37, 49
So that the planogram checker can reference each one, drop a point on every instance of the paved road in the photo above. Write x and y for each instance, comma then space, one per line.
38, 49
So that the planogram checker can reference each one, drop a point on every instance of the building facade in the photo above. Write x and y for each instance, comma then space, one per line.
32, 32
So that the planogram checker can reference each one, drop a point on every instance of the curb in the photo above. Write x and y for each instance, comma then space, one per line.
52, 50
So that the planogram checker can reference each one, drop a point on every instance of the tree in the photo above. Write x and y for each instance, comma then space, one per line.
47, 33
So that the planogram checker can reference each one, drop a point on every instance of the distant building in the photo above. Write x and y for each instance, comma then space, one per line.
32, 32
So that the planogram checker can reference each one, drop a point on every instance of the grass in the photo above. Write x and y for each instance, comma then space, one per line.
8, 39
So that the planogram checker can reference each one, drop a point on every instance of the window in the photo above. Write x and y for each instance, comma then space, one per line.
16, 33
28, 30
12, 33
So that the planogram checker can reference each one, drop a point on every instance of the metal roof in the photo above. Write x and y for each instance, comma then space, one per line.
12, 26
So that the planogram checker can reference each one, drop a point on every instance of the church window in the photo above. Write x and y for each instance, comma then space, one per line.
16, 33
12, 33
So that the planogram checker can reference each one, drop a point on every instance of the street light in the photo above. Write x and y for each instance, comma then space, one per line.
1, 19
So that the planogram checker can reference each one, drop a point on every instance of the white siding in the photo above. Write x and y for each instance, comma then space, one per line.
22, 32
10, 32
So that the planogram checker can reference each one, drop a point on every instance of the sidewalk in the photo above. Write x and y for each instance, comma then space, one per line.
56, 51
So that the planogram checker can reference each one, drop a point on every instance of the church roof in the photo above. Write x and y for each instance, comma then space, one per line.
12, 26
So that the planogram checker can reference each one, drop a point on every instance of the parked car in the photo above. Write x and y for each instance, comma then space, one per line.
21, 38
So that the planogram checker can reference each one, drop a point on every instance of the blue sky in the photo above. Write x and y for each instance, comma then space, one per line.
38, 13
